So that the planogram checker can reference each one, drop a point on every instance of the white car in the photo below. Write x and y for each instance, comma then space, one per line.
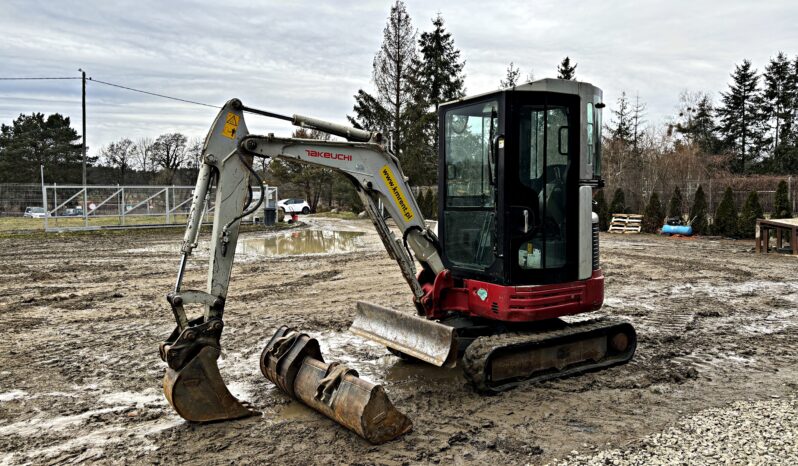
35, 212
294, 206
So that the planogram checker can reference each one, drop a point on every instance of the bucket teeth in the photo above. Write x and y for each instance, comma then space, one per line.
293, 362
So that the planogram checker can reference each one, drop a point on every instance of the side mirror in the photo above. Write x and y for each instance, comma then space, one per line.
560, 145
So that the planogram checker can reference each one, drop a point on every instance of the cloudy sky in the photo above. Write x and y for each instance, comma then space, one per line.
310, 57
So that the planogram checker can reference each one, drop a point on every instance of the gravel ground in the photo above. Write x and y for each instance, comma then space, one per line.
746, 432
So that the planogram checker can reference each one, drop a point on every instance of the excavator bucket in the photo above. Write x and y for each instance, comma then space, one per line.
293, 362
198, 393
414, 336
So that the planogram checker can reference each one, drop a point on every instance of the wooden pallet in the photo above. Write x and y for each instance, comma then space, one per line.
626, 223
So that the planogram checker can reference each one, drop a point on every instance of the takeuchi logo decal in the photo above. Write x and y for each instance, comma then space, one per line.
328, 155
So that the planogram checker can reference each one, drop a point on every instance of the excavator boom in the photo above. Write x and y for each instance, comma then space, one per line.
193, 384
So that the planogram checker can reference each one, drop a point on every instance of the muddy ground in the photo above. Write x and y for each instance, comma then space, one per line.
82, 317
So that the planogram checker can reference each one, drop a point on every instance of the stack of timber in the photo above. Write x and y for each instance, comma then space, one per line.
626, 223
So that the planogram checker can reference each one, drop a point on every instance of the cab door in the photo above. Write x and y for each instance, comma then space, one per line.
541, 175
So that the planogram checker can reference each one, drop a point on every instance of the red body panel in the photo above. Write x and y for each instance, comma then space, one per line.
512, 303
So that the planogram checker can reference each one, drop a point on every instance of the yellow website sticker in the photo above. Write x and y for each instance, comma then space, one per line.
396, 191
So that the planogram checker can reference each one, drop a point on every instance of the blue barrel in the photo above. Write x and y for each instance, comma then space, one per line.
685, 230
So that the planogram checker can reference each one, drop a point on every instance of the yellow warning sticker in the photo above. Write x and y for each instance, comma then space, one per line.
396, 191
231, 125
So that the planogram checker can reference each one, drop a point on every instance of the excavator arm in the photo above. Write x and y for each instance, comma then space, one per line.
193, 384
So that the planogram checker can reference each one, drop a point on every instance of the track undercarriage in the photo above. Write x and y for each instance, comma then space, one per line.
498, 356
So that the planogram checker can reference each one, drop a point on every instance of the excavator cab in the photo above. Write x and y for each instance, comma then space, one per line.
516, 183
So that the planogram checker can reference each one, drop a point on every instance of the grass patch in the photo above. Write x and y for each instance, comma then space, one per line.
34, 227
346, 215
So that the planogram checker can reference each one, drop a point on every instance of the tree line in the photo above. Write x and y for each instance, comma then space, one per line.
753, 129
32, 142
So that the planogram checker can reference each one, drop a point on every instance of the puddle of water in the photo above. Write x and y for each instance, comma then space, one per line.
374, 363
301, 242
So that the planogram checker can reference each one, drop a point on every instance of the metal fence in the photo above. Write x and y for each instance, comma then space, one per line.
74, 207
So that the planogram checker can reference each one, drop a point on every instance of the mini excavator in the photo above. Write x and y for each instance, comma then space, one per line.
516, 249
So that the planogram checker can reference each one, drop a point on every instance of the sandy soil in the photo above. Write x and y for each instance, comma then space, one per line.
83, 315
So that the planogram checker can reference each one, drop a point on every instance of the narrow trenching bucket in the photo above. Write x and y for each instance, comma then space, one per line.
414, 336
198, 393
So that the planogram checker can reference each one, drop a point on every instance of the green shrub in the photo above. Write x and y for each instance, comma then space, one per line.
676, 206
432, 206
698, 212
752, 210
421, 200
726, 221
602, 210
653, 215
781, 205
618, 204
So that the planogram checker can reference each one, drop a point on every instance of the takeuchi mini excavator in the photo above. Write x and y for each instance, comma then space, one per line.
516, 249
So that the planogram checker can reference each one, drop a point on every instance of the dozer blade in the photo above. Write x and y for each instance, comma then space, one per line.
420, 338
198, 393
293, 362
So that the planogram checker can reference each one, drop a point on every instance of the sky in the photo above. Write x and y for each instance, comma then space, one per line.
311, 57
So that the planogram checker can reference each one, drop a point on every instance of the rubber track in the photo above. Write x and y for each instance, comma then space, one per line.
476, 355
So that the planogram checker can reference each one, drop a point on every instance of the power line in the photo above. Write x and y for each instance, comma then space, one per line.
36, 78
151, 93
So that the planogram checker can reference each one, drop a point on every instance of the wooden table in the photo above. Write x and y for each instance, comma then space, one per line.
783, 227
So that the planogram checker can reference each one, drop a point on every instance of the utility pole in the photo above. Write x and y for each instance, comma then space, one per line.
85, 194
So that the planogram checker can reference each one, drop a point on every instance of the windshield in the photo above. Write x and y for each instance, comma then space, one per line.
468, 163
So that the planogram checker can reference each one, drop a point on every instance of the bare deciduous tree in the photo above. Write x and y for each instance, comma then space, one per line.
169, 152
120, 155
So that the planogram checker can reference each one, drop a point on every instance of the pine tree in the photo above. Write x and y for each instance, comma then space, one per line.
32, 141
703, 127
511, 77
440, 64
698, 212
742, 122
602, 210
781, 204
676, 206
752, 210
436, 77
621, 129
637, 122
781, 97
653, 215
566, 70
391, 69
618, 204
726, 219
